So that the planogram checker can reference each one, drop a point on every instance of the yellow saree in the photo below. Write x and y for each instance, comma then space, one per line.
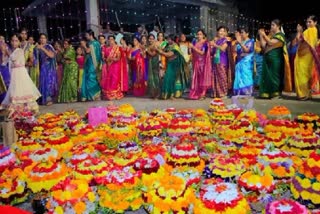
304, 63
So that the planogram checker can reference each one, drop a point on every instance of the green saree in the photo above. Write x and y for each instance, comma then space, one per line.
69, 86
154, 85
175, 79
271, 84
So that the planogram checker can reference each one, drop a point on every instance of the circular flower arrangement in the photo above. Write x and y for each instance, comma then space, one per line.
287, 127
119, 176
303, 144
169, 195
306, 183
277, 138
308, 120
189, 175
221, 198
119, 132
179, 126
248, 155
279, 112
44, 154
184, 154
278, 162
90, 168
60, 142
12, 186
72, 196
146, 165
222, 115
225, 167
201, 125
151, 127
216, 104
257, 181
286, 206
257, 141
44, 175
27, 144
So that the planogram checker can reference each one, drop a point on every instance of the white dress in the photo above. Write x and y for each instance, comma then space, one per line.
22, 94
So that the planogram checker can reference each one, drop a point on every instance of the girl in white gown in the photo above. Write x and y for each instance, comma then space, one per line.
22, 94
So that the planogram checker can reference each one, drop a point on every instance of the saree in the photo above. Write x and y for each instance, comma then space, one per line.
175, 78
273, 67
111, 76
90, 89
154, 83
243, 82
306, 59
69, 84
4, 76
201, 75
258, 60
220, 70
28, 54
315, 84
124, 75
48, 84
139, 75
80, 62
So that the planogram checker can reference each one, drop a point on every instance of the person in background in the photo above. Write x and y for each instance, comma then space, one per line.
58, 46
90, 88
139, 32
201, 60
162, 44
108, 32
306, 58
139, 76
258, 60
271, 84
31, 40
69, 87
243, 82
80, 61
27, 49
22, 94
102, 41
154, 83
111, 77
45, 59
155, 31
4, 68
184, 47
144, 45
125, 51
220, 63
119, 36
292, 50
174, 80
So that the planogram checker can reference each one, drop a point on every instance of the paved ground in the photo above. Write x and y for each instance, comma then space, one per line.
296, 107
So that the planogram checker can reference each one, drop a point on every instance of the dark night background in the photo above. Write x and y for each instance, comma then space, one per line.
260, 9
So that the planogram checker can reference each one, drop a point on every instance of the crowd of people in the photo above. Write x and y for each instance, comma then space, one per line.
162, 67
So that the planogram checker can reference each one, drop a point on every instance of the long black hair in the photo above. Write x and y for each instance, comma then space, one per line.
91, 33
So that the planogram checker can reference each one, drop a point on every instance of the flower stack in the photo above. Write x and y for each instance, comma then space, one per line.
308, 121
286, 206
279, 113
287, 127
216, 104
179, 126
303, 144
72, 196
201, 123
221, 198
306, 183
89, 168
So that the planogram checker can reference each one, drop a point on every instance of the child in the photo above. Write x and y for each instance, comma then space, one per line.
20, 97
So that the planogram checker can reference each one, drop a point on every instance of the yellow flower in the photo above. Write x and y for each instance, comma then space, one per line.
305, 183
305, 195
316, 186
315, 199
58, 210
91, 197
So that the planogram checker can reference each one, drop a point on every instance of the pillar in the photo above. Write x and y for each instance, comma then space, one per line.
42, 24
92, 15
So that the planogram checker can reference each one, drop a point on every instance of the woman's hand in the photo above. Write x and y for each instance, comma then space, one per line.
238, 39
299, 28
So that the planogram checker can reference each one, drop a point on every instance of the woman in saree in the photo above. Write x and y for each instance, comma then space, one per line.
45, 59
58, 47
292, 51
90, 89
111, 77
154, 83
162, 44
144, 45
4, 68
258, 60
220, 64
243, 82
174, 80
274, 65
306, 59
80, 59
139, 76
201, 61
69, 86
125, 51
184, 47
